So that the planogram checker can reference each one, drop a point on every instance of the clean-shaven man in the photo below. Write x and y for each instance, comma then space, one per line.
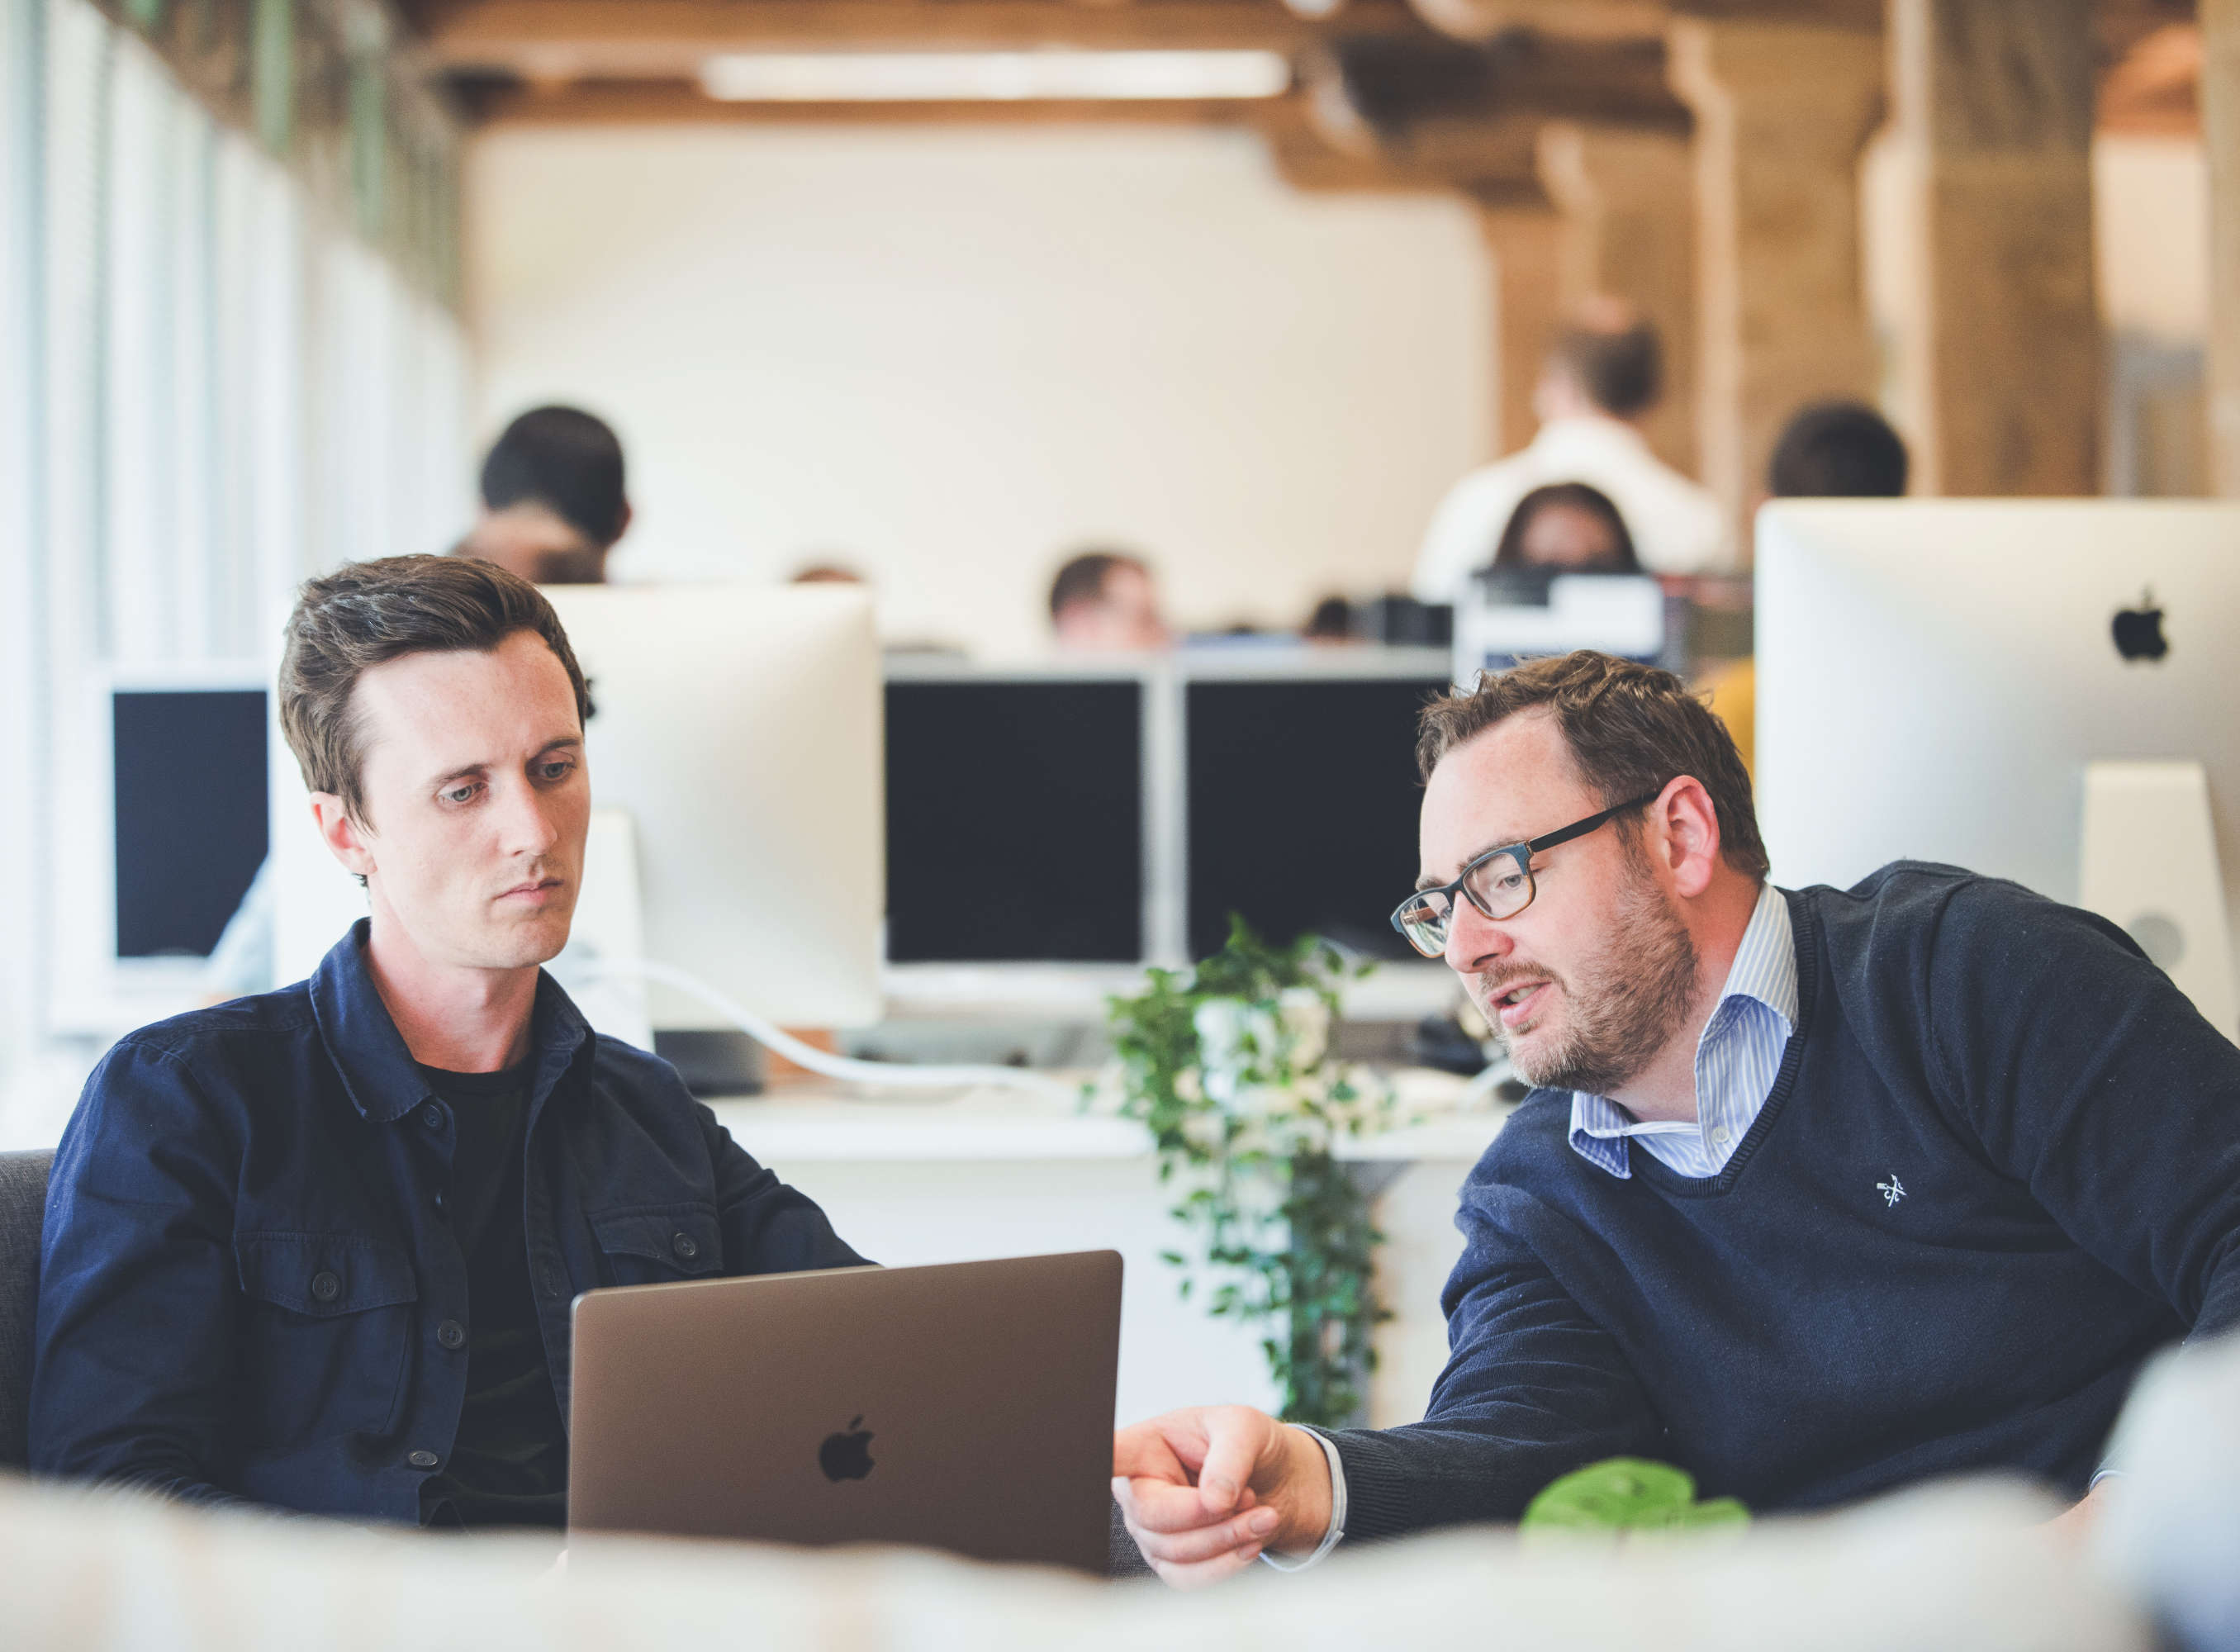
316, 1248
1821, 1192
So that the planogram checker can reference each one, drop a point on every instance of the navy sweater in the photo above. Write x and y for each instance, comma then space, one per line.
2065, 1130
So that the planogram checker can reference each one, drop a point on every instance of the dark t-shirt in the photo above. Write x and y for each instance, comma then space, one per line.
509, 1464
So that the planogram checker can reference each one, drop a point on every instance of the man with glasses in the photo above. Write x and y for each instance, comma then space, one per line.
1820, 1192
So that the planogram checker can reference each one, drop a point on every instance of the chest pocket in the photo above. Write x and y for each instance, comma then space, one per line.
328, 1335
650, 1245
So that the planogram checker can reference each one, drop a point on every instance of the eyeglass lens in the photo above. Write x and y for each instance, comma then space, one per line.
1501, 889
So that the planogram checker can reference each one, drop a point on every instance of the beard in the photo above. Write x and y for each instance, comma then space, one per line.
1624, 1002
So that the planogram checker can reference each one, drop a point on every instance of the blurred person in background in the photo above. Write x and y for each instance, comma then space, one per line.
553, 498
1837, 450
1104, 601
1567, 525
1605, 372
1827, 451
1331, 623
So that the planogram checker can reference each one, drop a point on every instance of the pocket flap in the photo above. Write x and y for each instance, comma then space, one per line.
324, 1274
684, 1237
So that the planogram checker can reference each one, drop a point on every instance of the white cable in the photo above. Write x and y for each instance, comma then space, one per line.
885, 1075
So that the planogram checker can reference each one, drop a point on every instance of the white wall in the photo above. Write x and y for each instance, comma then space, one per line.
948, 356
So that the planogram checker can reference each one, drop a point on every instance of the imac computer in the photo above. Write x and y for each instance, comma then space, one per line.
734, 756
2044, 690
738, 727
1303, 795
1016, 828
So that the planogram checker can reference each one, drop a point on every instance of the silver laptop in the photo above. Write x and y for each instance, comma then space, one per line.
965, 1407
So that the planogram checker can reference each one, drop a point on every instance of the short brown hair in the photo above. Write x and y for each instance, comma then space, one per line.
367, 614
1631, 729
1621, 369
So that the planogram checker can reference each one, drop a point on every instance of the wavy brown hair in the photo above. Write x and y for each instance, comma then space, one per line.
367, 614
1631, 729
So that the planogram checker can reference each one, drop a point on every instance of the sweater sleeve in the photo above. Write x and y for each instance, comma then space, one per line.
1532, 1389
2089, 1076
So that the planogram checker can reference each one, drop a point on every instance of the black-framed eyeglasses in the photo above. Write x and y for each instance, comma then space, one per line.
1498, 883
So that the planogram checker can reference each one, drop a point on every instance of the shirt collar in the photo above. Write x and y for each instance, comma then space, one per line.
378, 1072
1764, 971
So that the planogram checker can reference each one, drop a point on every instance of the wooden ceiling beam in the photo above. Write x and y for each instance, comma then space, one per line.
647, 39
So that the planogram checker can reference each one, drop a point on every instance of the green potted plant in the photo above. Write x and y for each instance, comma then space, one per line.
1230, 1066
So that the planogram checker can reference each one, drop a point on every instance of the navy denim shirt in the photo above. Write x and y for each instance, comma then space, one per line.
248, 1288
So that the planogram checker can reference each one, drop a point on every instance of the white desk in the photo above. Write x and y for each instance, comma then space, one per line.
948, 1176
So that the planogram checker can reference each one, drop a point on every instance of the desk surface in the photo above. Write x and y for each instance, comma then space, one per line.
817, 1120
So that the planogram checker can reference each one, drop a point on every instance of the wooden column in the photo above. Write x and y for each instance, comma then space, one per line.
1782, 111
1628, 198
1993, 104
1529, 301
2220, 132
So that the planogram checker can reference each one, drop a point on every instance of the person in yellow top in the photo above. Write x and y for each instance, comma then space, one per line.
1828, 450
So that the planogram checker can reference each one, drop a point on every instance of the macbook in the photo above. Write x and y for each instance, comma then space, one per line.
965, 1407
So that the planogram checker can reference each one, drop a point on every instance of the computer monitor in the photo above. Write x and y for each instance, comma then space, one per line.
738, 726
187, 769
1016, 817
1507, 614
1936, 678
161, 825
1302, 795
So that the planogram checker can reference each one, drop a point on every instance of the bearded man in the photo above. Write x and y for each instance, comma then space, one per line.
1821, 1191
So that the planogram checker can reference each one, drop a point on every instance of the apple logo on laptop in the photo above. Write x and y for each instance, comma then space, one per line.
2139, 631
846, 1456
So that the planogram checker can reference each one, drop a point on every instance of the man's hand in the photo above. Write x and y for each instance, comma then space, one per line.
2075, 1525
1204, 1490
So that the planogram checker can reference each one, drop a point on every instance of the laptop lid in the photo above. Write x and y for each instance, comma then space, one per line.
967, 1407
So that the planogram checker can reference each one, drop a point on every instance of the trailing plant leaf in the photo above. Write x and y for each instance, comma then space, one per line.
1228, 1065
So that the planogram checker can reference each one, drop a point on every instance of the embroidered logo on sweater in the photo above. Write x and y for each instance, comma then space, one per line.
1891, 1191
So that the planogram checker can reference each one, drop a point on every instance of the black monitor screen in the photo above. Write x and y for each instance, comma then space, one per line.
1015, 822
191, 826
1302, 806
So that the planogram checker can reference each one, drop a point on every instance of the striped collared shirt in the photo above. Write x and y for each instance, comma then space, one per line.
1737, 1060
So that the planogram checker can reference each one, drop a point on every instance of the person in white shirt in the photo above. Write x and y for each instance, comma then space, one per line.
1601, 376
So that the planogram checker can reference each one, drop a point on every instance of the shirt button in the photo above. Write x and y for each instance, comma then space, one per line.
682, 1244
326, 1286
552, 1282
1722, 1136
450, 1333
423, 1459
432, 1117
439, 1202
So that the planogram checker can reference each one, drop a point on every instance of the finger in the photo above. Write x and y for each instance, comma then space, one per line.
1144, 1452
1236, 1437
1159, 1507
1206, 1571
1188, 1548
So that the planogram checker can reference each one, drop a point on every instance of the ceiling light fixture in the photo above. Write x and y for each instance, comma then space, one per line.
992, 76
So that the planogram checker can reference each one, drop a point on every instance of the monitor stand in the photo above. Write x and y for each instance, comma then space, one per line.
2148, 862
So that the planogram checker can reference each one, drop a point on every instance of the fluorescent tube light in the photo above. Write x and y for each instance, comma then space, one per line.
974, 77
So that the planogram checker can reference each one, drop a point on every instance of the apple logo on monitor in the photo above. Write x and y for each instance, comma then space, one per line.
846, 1456
2139, 631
